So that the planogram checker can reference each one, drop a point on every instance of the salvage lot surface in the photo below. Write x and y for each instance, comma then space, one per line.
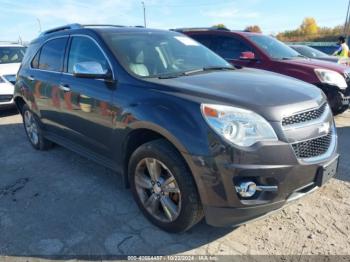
58, 203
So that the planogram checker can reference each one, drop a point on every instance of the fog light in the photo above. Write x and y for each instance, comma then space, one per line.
246, 189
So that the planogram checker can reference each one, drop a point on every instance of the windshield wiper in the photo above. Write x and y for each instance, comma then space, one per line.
167, 76
218, 68
209, 68
194, 71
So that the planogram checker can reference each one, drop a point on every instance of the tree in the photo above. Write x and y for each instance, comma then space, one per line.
253, 28
309, 26
220, 26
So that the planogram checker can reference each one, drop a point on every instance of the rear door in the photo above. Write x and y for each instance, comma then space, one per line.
87, 105
44, 77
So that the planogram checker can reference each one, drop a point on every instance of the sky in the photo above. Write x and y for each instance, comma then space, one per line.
22, 18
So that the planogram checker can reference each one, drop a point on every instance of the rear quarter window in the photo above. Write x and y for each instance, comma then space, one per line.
51, 55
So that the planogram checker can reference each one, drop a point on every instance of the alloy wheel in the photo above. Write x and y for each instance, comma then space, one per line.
158, 190
31, 127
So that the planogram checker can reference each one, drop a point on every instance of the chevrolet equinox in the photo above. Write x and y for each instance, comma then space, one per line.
191, 135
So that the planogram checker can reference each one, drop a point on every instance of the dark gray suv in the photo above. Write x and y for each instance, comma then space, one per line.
191, 135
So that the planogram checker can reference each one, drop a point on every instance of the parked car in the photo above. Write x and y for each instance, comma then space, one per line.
11, 56
314, 53
265, 52
190, 134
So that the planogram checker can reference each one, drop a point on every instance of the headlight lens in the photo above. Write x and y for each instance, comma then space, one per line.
331, 77
239, 126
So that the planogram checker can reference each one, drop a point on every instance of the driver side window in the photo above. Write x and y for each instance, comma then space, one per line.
83, 49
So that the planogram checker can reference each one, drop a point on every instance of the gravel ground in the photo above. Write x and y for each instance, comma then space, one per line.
58, 203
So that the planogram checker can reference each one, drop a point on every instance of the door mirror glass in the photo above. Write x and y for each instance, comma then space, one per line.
90, 69
247, 56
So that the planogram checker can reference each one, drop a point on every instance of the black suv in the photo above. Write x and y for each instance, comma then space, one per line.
190, 134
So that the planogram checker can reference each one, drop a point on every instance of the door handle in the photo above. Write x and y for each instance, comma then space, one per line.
64, 88
31, 78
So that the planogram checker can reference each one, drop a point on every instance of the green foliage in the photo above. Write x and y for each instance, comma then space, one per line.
219, 26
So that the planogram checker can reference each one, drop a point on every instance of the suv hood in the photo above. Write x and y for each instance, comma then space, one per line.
271, 95
314, 63
9, 69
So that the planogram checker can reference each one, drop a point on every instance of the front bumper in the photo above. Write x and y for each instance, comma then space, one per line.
7, 101
266, 164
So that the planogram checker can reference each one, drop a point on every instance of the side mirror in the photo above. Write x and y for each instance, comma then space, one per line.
247, 56
90, 70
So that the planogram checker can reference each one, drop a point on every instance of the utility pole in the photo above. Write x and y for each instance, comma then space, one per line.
144, 13
347, 23
39, 25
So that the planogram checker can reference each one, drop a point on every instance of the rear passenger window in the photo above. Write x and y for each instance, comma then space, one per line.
203, 39
230, 48
35, 61
83, 49
52, 55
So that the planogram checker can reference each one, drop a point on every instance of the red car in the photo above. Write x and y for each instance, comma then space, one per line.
260, 51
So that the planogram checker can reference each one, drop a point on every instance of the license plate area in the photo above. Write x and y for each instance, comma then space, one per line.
326, 172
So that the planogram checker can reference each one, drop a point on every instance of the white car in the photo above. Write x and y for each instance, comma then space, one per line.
10, 60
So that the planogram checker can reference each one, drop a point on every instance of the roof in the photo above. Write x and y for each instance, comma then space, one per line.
214, 29
96, 27
84, 28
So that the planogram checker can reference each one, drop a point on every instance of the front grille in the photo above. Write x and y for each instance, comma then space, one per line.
5, 98
314, 147
304, 117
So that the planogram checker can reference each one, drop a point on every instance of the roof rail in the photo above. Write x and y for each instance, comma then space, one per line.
77, 26
200, 29
61, 28
101, 25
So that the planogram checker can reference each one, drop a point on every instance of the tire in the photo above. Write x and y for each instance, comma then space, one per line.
183, 198
335, 102
34, 132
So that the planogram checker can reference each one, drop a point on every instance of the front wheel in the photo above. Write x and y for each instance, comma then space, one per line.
163, 187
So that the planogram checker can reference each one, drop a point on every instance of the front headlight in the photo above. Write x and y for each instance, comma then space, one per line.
239, 126
331, 77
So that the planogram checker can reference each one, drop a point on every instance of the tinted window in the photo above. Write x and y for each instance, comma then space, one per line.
35, 61
84, 49
230, 48
203, 39
11, 54
52, 55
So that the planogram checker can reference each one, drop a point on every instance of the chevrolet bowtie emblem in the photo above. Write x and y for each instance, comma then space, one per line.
324, 128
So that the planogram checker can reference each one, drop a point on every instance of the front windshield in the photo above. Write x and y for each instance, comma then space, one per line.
158, 54
274, 48
11, 54
310, 52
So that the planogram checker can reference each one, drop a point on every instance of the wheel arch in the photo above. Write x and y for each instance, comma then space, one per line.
142, 133
20, 102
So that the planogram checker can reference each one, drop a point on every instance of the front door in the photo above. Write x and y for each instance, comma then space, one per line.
87, 103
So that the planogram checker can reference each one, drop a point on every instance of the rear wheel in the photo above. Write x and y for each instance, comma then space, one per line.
163, 187
33, 130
